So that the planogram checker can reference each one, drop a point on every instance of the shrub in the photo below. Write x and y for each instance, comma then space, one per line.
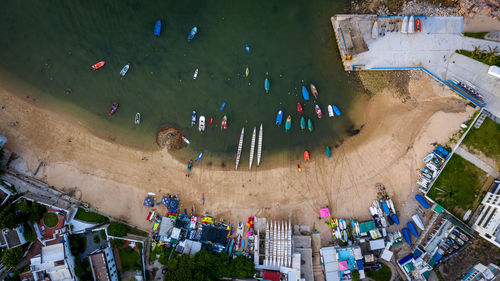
77, 243
103, 234
28, 233
96, 239
91, 217
117, 229
11, 257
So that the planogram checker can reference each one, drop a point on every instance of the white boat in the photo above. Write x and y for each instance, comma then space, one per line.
404, 25
201, 124
259, 146
383, 221
391, 205
418, 221
330, 111
195, 74
375, 30
411, 25
252, 146
240, 147
240, 229
185, 139
124, 70
337, 233
357, 229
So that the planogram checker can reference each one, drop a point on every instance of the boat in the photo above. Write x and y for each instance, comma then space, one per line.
385, 207
201, 124
418, 221
345, 236
310, 125
195, 74
190, 165
149, 216
422, 201
328, 152
330, 111
98, 65
412, 228
259, 146
192, 33
266, 85
337, 233
418, 25
406, 235
223, 105
211, 120
288, 123
306, 155
391, 205
314, 91
404, 25
113, 109
336, 110
317, 109
299, 108
193, 118
185, 140
375, 30
279, 117
305, 93
411, 25
395, 218
247, 48
137, 120
247, 71
157, 29
390, 220
302, 123
298, 168
124, 70
252, 147
240, 147
199, 157
223, 124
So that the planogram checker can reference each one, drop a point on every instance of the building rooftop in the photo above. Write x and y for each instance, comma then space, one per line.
99, 268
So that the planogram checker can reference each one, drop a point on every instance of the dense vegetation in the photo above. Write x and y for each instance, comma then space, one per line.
478, 35
11, 257
382, 274
130, 259
119, 230
91, 217
82, 269
485, 139
489, 57
77, 244
458, 185
21, 212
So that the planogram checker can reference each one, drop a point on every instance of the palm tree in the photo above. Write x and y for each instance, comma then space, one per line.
477, 51
492, 54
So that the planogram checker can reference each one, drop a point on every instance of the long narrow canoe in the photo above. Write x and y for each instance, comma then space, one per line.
395, 218
412, 228
252, 147
259, 146
302, 123
157, 28
266, 85
305, 93
406, 235
422, 201
336, 110
310, 125
418, 221
328, 152
240, 147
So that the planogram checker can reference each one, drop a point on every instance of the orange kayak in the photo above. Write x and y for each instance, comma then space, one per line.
98, 65
306, 155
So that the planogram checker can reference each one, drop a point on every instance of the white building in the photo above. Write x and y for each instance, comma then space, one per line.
54, 262
481, 272
487, 223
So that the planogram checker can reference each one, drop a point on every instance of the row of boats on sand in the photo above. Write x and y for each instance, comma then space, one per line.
252, 147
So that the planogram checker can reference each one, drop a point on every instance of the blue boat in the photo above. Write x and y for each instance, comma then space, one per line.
406, 235
336, 110
329, 154
422, 201
389, 220
157, 28
247, 48
266, 86
279, 117
395, 219
385, 207
412, 228
222, 106
192, 33
199, 157
193, 118
305, 93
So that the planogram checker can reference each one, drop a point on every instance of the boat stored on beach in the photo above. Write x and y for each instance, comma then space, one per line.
395, 218
157, 29
137, 120
314, 91
418, 221
201, 124
267, 85
412, 228
306, 155
288, 123
259, 146
98, 65
192, 33
411, 25
279, 117
336, 110
310, 125
124, 69
302, 123
240, 148
330, 111
385, 207
406, 235
190, 165
199, 157
418, 25
223, 124
195, 75
113, 109
299, 108
317, 109
422, 201
305, 93
252, 147
328, 152
193, 118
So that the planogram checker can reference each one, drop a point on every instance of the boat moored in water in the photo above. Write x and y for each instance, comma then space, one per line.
302, 122
193, 118
279, 117
199, 157
305, 93
113, 109
259, 146
247, 71
310, 125
330, 111
240, 148
317, 109
185, 140
125, 69
314, 91
299, 108
98, 65
211, 120
306, 155
201, 124
247, 48
267, 85
336, 110
328, 152
223, 105
192, 33
288, 123
223, 124
252, 147
195, 75
157, 29
137, 120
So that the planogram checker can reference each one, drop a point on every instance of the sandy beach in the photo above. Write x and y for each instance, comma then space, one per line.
114, 179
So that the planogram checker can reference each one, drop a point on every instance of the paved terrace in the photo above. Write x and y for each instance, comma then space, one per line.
432, 49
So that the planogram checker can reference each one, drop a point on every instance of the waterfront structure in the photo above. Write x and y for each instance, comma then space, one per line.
487, 223
338, 263
482, 272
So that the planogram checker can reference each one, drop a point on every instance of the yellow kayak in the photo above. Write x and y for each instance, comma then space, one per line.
247, 71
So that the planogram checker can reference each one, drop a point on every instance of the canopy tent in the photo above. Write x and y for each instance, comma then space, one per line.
149, 201
325, 212
170, 203
343, 265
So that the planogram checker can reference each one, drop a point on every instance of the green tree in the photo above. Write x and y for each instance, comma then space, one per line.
37, 211
242, 267
77, 244
96, 239
492, 54
117, 229
11, 257
28, 233
477, 51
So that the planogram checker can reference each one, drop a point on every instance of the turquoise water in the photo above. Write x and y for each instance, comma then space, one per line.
50, 46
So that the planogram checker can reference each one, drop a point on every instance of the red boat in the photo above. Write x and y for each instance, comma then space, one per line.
318, 111
98, 65
113, 108
306, 155
299, 108
314, 91
418, 25
211, 120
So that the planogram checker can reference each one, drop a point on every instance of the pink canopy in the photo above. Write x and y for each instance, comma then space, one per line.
343, 265
249, 233
325, 212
